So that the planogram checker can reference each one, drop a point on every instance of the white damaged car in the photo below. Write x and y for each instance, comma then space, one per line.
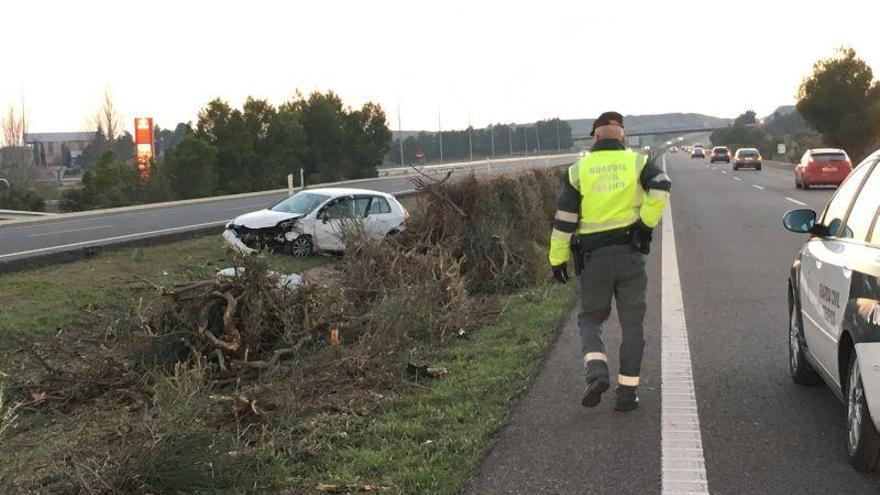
314, 219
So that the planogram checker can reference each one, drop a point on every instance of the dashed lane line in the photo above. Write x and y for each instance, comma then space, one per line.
737, 178
683, 466
801, 203
758, 187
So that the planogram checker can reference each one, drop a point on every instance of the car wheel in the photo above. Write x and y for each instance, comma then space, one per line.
300, 247
758, 168
735, 168
805, 185
801, 371
862, 439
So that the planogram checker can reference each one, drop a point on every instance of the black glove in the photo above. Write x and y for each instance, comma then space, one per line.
641, 236
560, 273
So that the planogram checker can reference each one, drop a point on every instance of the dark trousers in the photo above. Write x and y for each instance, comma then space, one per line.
618, 272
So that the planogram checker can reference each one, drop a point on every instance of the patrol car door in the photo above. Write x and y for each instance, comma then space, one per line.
826, 272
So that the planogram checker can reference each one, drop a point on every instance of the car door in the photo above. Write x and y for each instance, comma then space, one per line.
331, 222
826, 271
379, 217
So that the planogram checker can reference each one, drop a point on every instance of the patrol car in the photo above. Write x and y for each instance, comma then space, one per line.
834, 306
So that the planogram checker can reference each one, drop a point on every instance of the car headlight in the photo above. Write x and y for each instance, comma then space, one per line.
289, 225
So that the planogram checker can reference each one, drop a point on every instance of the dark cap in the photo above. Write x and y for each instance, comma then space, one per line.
607, 118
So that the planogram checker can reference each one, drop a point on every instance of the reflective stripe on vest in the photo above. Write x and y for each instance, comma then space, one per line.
611, 194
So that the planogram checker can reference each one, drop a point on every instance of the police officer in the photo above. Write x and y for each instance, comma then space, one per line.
611, 200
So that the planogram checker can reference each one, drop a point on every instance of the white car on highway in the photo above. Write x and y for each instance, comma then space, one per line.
315, 219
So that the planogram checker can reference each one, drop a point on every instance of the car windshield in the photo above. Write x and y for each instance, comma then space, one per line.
720, 150
748, 152
300, 203
829, 157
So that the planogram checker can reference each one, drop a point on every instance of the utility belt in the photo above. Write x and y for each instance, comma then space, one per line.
579, 252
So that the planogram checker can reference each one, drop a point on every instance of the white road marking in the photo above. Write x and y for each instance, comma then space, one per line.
724, 172
796, 201
736, 178
43, 234
110, 239
758, 187
683, 466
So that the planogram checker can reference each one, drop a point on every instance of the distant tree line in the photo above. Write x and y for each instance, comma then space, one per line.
545, 136
841, 100
747, 131
838, 106
234, 150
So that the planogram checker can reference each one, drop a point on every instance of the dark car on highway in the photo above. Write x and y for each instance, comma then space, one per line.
720, 154
747, 157
834, 306
822, 167
697, 152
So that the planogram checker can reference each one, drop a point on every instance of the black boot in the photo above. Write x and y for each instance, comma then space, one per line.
627, 399
595, 388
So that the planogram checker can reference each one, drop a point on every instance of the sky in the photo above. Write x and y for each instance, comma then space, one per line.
440, 62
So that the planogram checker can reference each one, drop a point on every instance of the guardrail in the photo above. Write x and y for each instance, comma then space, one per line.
475, 164
16, 214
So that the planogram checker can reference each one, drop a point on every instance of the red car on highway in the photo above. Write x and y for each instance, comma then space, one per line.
822, 167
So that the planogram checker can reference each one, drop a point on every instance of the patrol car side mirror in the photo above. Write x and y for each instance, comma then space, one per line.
800, 221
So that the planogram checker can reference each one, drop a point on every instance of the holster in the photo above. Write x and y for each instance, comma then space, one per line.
577, 254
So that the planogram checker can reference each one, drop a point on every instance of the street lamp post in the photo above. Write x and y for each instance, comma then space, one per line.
526, 138
538, 136
492, 135
400, 133
510, 138
558, 142
440, 128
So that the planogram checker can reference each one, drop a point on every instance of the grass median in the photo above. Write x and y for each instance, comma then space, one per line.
213, 385
426, 440
430, 442
87, 292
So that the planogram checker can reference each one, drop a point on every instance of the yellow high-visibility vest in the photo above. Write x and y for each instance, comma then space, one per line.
611, 194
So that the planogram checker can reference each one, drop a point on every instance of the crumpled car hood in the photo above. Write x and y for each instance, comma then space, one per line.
263, 219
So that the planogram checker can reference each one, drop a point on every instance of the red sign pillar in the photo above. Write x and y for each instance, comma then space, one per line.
144, 146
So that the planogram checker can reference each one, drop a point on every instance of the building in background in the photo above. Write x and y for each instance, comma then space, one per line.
57, 149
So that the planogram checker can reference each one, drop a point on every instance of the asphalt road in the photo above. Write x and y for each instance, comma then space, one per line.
60, 234
761, 434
